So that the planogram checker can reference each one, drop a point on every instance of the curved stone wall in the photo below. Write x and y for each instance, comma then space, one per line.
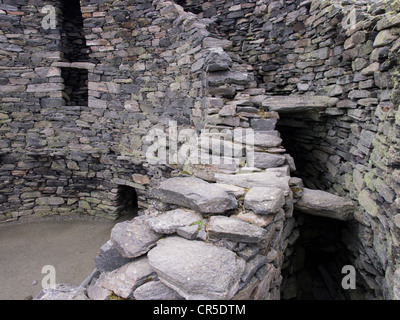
324, 73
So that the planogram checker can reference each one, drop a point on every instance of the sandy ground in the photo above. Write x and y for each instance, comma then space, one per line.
69, 245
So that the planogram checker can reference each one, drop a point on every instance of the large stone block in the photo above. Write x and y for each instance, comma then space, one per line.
195, 194
197, 270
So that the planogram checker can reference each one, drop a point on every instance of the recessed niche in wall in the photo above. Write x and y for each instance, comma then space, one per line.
127, 200
76, 86
73, 38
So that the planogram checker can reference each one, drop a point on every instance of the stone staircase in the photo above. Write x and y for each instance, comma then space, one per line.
217, 229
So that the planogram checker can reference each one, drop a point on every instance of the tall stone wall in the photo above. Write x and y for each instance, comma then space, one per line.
59, 156
63, 151
347, 50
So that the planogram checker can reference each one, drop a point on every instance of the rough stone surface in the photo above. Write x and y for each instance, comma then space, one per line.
324, 204
204, 271
170, 221
133, 238
62, 292
124, 280
264, 200
232, 229
155, 290
109, 258
195, 194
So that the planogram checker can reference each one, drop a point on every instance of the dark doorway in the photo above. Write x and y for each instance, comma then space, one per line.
127, 200
318, 258
75, 86
73, 38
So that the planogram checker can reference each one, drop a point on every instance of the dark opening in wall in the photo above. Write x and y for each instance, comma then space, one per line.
127, 200
73, 38
318, 258
75, 86
190, 5
304, 137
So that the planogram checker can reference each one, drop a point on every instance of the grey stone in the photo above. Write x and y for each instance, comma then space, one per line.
287, 104
218, 60
263, 124
133, 238
124, 280
109, 258
196, 194
170, 221
385, 37
197, 270
257, 179
252, 266
232, 229
324, 204
155, 290
62, 292
96, 292
265, 160
264, 200
188, 232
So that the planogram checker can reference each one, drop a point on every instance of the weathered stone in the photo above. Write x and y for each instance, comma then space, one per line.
261, 139
133, 238
155, 290
232, 229
96, 292
197, 270
256, 219
252, 266
124, 280
264, 200
109, 258
62, 292
189, 232
366, 201
385, 37
258, 179
218, 60
170, 221
265, 160
195, 194
324, 204
287, 104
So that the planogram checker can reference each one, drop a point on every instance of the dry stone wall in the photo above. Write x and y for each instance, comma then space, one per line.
346, 50
316, 81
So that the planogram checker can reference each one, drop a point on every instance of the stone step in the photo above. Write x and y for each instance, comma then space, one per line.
197, 270
196, 194
325, 204
274, 179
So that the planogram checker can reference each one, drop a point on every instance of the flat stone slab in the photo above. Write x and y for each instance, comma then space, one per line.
171, 221
261, 139
258, 179
197, 270
195, 194
264, 200
155, 290
264, 160
134, 238
109, 258
124, 280
325, 204
298, 103
232, 229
